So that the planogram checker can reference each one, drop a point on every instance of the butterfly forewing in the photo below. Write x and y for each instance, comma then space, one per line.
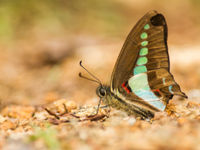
126, 62
141, 73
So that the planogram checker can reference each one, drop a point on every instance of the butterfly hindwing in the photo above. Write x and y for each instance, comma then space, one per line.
141, 72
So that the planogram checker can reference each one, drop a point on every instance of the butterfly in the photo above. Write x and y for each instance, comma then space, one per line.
141, 82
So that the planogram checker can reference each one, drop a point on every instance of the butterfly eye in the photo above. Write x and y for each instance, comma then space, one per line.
102, 92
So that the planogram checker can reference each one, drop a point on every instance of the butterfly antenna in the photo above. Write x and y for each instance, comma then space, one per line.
80, 75
96, 79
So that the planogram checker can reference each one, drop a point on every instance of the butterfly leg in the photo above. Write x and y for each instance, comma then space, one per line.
98, 107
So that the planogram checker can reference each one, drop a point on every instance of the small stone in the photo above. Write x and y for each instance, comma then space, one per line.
2, 119
60, 105
131, 121
6, 125
193, 105
181, 121
19, 112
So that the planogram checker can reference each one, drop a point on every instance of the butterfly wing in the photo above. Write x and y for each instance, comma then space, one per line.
142, 72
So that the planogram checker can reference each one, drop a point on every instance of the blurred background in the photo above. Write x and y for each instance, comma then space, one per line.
42, 43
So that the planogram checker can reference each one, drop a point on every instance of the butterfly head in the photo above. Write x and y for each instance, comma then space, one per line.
101, 91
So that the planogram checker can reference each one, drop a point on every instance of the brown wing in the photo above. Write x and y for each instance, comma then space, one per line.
145, 52
157, 44
163, 84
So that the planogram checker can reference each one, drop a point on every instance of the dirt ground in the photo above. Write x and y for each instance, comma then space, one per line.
28, 125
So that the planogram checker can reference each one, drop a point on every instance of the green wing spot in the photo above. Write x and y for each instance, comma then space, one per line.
143, 35
141, 61
144, 43
139, 69
146, 27
143, 51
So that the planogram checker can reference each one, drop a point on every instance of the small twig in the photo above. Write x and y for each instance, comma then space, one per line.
73, 115
66, 110
51, 113
95, 117
65, 107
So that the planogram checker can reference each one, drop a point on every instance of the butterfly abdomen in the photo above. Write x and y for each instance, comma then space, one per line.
131, 109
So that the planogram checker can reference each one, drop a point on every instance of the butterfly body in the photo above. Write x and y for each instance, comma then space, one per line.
120, 103
141, 82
